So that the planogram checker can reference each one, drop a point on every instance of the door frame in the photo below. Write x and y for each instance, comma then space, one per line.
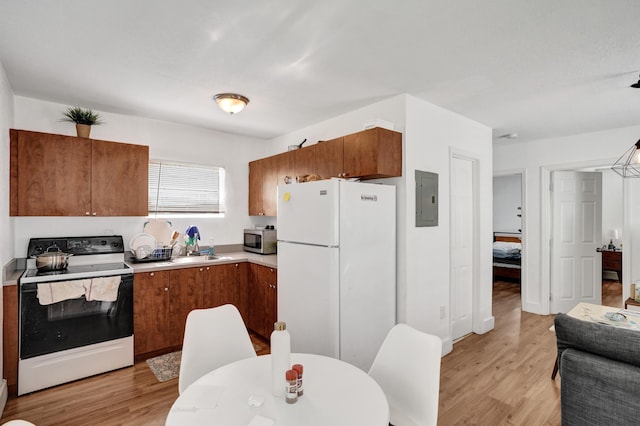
523, 233
545, 226
477, 323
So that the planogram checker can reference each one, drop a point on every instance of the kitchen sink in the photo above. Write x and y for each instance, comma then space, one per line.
197, 259
192, 259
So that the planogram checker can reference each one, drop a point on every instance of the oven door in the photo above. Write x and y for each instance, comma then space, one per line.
74, 322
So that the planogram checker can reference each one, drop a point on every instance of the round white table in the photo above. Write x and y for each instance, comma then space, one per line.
335, 393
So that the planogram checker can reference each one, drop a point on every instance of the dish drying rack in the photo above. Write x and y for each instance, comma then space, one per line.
162, 253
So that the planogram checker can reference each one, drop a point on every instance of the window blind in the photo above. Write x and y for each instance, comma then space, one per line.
185, 188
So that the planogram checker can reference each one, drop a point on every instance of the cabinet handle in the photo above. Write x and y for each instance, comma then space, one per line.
207, 268
261, 214
87, 214
237, 265
201, 269
94, 214
166, 289
151, 274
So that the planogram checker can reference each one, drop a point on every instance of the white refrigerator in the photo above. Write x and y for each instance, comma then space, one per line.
337, 267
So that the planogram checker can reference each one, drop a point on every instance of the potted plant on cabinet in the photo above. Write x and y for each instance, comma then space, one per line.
84, 119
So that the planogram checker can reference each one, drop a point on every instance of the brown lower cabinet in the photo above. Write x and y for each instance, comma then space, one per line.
10, 337
163, 299
263, 301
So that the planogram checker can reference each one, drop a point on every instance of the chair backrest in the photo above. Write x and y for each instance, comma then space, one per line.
407, 368
212, 338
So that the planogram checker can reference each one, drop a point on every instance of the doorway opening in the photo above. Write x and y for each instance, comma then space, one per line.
508, 250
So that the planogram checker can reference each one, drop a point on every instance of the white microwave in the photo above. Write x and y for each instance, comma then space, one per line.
262, 241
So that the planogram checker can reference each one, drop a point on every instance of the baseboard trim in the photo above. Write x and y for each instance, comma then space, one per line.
4, 395
447, 346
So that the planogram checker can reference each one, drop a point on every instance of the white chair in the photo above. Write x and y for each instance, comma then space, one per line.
18, 423
407, 368
212, 338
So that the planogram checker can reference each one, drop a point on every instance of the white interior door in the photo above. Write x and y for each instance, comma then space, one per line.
576, 266
461, 247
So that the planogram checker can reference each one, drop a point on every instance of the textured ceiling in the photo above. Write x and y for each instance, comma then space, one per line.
537, 68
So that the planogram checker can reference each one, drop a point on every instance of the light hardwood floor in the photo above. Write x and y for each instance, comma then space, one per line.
500, 378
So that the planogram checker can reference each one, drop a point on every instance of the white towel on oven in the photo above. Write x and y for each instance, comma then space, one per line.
103, 289
57, 291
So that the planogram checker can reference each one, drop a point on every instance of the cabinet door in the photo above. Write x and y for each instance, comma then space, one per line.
304, 161
373, 153
329, 158
150, 311
10, 337
271, 299
119, 179
262, 300
270, 171
256, 180
50, 174
225, 284
185, 293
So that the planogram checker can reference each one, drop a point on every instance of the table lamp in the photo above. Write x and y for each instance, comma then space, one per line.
613, 235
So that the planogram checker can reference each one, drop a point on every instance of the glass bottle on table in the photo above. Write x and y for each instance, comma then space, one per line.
280, 357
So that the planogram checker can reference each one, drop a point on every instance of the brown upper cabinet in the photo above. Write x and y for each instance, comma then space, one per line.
369, 154
56, 175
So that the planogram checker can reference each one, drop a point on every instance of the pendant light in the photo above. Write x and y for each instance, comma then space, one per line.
231, 103
629, 164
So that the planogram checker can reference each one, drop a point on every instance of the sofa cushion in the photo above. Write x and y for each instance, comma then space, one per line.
599, 339
598, 391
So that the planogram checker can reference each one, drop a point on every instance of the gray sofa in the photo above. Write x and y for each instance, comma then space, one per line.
599, 367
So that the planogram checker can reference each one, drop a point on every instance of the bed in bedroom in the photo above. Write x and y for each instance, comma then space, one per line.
506, 256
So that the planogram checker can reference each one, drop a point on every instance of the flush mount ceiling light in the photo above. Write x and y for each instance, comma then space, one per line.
231, 102
636, 85
628, 165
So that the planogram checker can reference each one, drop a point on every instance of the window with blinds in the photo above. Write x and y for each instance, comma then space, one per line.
178, 188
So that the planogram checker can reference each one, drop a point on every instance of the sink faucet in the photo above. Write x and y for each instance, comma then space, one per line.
192, 247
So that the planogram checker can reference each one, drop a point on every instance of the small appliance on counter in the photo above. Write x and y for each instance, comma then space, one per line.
261, 241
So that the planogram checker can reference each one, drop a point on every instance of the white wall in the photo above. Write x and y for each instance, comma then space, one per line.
6, 223
429, 133
572, 152
507, 197
166, 141
612, 217
432, 134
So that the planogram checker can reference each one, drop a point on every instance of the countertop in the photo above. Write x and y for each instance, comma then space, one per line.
269, 260
12, 273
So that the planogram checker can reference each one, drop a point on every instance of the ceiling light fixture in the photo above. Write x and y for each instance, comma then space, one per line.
628, 165
231, 103
636, 85
509, 136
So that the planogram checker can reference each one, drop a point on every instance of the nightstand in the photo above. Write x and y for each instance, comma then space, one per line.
612, 261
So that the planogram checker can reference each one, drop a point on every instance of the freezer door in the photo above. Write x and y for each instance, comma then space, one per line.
308, 297
308, 212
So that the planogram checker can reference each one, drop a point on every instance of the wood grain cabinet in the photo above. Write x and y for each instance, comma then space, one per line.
10, 339
163, 299
186, 293
56, 175
370, 154
263, 299
150, 311
227, 284
612, 261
